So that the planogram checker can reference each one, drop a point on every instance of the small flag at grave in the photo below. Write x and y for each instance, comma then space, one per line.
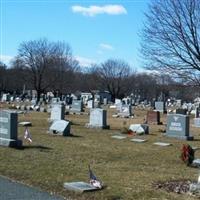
27, 135
93, 180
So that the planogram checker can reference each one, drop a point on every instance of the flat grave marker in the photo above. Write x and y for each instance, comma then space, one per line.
138, 140
79, 187
119, 137
162, 144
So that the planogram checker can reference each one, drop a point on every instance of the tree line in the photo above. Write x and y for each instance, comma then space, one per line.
45, 66
170, 48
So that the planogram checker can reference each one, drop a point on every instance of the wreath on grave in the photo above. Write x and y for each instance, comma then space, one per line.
187, 154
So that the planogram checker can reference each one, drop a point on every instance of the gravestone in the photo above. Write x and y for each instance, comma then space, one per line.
160, 106
5, 97
55, 100
181, 111
79, 187
33, 101
138, 140
118, 104
178, 102
178, 126
8, 129
153, 117
125, 111
119, 137
90, 104
162, 144
197, 122
77, 106
98, 118
57, 112
139, 129
105, 101
60, 127
197, 112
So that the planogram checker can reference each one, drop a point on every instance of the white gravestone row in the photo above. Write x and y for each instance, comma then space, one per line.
8, 129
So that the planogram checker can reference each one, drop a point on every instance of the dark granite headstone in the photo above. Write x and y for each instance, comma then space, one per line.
8, 129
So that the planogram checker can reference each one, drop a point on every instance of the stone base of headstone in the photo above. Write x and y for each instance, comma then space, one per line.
10, 142
97, 127
74, 112
124, 115
190, 138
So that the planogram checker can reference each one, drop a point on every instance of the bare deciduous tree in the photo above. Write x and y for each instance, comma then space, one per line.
3, 76
45, 62
114, 74
171, 38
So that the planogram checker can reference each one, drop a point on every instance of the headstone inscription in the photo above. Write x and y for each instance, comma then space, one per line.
8, 129
178, 126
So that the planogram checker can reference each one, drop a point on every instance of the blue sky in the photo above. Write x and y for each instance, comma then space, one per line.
95, 30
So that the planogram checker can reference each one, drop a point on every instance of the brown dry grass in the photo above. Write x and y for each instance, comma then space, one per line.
127, 169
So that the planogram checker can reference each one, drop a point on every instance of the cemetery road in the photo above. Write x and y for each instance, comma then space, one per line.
10, 190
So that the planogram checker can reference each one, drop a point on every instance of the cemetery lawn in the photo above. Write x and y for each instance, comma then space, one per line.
127, 169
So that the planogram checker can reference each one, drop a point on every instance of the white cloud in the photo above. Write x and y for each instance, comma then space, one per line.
6, 59
106, 46
95, 10
85, 62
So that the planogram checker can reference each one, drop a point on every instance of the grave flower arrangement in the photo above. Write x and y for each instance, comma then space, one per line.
187, 154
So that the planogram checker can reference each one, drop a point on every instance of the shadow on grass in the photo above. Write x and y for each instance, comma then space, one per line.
196, 139
40, 147
75, 136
